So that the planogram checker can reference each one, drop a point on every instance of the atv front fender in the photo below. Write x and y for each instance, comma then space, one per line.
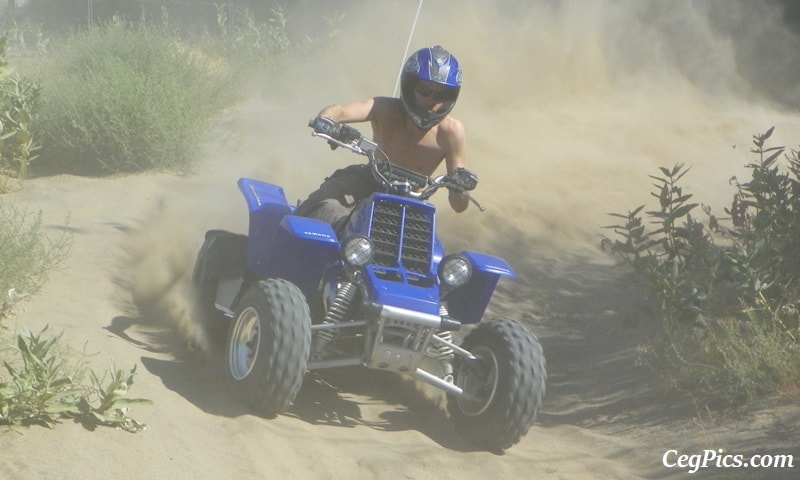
468, 303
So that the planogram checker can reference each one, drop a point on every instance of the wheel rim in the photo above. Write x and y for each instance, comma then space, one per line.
478, 379
245, 339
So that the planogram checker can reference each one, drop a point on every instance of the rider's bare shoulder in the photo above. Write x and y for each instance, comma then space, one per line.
450, 133
451, 126
385, 105
387, 111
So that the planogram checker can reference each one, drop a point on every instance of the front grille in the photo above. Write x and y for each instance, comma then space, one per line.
402, 236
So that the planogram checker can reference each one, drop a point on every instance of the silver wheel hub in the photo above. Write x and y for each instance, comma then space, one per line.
479, 380
245, 340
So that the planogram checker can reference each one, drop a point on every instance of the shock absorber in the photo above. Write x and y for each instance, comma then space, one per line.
340, 304
335, 314
441, 352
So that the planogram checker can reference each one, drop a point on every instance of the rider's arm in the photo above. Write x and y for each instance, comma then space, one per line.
454, 140
349, 112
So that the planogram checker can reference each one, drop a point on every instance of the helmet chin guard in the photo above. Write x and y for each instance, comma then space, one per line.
432, 64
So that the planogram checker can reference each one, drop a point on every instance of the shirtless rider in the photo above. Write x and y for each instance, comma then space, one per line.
416, 131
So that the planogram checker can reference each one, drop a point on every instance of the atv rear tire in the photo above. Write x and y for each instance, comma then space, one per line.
503, 388
223, 255
268, 346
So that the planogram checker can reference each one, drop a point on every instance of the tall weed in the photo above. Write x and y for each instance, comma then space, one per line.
19, 104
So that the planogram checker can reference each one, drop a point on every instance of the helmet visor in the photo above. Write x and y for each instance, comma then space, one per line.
445, 95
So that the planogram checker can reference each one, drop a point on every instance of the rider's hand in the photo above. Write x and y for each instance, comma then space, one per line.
336, 130
463, 180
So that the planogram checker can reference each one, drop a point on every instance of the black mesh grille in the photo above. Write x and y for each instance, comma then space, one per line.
402, 236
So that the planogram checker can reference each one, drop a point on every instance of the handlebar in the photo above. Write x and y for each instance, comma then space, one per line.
394, 178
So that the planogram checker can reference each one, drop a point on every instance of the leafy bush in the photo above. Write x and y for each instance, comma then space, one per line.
26, 255
45, 388
121, 98
727, 287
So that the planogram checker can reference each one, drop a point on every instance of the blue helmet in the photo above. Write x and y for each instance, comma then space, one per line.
434, 64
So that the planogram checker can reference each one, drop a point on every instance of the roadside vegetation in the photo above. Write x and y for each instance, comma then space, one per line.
119, 98
132, 96
42, 381
728, 286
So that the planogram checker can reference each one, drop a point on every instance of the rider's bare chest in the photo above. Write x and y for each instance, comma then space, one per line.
418, 151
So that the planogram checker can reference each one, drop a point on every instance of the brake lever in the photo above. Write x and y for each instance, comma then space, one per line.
338, 143
469, 197
480, 207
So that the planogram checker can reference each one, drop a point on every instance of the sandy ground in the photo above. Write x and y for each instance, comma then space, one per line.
553, 163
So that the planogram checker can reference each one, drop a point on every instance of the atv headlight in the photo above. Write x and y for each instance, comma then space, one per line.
357, 251
455, 270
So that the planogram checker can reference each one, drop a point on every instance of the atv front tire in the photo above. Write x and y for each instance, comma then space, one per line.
268, 346
503, 388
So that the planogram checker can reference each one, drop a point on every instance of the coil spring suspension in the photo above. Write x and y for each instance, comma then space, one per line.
341, 303
336, 312
438, 351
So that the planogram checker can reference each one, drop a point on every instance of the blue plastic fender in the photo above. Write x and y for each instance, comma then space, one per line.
303, 248
468, 303
267, 206
281, 245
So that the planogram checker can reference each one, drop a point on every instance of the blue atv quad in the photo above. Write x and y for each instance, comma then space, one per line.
379, 293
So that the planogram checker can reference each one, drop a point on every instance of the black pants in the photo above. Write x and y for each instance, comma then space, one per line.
333, 201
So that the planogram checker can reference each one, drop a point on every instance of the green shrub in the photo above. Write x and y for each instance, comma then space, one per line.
728, 287
121, 98
26, 255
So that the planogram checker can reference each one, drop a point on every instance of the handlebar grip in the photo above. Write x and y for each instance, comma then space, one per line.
348, 134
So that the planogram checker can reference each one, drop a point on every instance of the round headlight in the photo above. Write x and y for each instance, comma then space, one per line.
455, 271
357, 251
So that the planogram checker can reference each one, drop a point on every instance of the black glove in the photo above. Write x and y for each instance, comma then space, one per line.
326, 125
463, 179
336, 130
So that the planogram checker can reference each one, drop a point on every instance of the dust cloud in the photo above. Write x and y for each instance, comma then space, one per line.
568, 107
156, 271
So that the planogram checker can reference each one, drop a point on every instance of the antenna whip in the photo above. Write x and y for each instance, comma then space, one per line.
405, 54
